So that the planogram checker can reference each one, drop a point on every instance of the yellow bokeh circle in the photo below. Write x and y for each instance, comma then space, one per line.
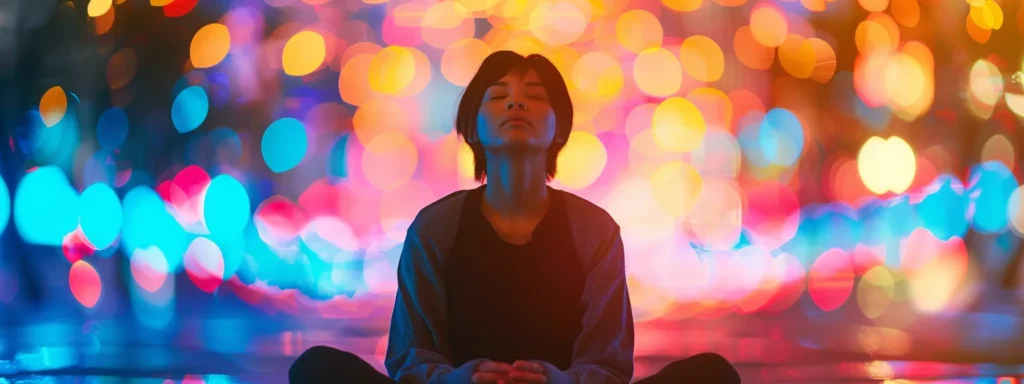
392, 69
581, 161
461, 60
678, 125
210, 45
702, 58
559, 22
657, 72
303, 53
768, 25
598, 74
638, 30
886, 165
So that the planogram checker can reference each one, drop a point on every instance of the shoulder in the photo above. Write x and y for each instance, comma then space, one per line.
441, 216
587, 217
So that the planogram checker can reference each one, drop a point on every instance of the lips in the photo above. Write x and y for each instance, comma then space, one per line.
516, 119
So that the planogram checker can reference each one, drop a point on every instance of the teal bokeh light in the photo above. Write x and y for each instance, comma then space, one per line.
225, 207
148, 223
284, 144
101, 215
190, 109
5, 205
45, 206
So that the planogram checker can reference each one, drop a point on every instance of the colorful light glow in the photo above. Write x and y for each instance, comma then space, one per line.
53, 105
85, 283
210, 45
303, 53
716, 162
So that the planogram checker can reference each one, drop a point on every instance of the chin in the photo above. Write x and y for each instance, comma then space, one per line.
516, 144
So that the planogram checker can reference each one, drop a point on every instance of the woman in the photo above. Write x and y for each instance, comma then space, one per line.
512, 281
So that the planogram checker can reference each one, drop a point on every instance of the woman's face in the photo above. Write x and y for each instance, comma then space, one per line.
516, 114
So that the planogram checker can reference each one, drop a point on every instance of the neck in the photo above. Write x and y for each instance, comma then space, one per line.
516, 183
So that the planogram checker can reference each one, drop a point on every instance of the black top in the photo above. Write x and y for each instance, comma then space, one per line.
419, 342
510, 302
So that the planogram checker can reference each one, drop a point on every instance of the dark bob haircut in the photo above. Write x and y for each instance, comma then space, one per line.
493, 68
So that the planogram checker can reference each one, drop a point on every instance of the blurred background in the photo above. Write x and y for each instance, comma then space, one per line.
822, 191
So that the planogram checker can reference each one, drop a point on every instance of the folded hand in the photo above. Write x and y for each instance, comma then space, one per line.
493, 372
520, 372
528, 372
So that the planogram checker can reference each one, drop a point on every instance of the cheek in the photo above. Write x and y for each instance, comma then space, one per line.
549, 120
487, 122
484, 119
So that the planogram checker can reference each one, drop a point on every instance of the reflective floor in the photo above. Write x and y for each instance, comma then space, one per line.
786, 347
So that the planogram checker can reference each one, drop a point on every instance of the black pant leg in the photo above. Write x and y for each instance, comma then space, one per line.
326, 365
705, 368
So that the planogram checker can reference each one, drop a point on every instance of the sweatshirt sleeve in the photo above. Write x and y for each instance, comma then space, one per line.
417, 349
604, 349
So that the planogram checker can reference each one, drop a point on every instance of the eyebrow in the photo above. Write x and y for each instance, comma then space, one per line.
528, 84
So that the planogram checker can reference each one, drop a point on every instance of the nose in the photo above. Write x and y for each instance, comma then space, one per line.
513, 104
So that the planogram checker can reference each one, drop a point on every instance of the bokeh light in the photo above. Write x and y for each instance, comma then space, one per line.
121, 68
45, 206
638, 30
559, 22
284, 144
461, 60
875, 292
985, 88
990, 186
379, 116
303, 53
750, 51
683, 5
190, 108
85, 283
830, 280
225, 207
886, 164
657, 72
101, 215
781, 137
204, 264
678, 125
581, 161
210, 45
149, 268
676, 186
597, 74
97, 8
934, 268
847, 163
53, 105
5, 205
702, 58
392, 69
389, 160
768, 25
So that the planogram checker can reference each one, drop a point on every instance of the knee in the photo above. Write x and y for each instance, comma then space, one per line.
321, 353
717, 367
703, 368
317, 362
709, 359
